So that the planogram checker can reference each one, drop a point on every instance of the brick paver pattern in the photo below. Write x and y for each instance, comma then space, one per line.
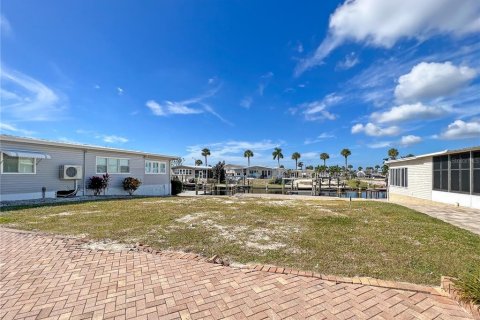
466, 218
46, 277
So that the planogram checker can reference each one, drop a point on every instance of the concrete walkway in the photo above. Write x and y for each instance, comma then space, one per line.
466, 218
45, 277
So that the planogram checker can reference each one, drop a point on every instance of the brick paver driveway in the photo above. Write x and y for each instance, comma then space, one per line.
466, 218
47, 277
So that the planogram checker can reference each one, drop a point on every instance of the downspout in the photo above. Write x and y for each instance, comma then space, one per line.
83, 173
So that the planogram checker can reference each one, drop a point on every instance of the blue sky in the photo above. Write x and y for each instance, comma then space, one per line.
176, 76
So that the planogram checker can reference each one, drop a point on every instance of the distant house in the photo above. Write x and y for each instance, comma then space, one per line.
360, 174
450, 176
257, 172
186, 173
35, 168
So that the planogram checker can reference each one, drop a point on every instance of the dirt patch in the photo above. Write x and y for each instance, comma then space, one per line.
263, 247
107, 244
190, 217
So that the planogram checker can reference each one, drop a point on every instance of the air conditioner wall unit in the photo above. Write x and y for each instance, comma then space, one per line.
71, 172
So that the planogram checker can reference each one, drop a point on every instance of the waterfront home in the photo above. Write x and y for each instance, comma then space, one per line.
188, 173
36, 168
449, 176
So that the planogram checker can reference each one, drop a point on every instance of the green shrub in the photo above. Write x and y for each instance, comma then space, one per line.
469, 285
131, 184
177, 187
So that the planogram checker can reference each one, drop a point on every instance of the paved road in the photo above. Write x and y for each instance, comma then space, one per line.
45, 277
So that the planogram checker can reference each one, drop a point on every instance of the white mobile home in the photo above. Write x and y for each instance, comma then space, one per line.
450, 176
186, 173
34, 168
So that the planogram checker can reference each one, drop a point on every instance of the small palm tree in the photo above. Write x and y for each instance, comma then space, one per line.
377, 167
296, 156
206, 153
277, 154
360, 168
300, 165
248, 154
324, 156
393, 153
346, 153
198, 162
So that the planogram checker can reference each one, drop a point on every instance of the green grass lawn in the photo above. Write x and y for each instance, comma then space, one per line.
373, 239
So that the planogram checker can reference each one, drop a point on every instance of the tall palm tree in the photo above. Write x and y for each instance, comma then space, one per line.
198, 162
324, 156
206, 153
393, 153
296, 156
277, 154
346, 153
248, 154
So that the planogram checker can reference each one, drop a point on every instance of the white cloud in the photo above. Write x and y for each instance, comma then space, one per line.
349, 62
185, 107
383, 23
246, 102
14, 129
432, 80
264, 82
180, 108
408, 112
113, 139
120, 91
5, 27
373, 130
317, 110
379, 145
27, 99
321, 137
300, 48
96, 86
232, 151
409, 140
460, 129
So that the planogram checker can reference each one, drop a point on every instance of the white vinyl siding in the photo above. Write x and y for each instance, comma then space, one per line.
18, 165
112, 165
155, 167
418, 178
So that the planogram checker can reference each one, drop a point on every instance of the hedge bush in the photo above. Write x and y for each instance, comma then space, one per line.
177, 187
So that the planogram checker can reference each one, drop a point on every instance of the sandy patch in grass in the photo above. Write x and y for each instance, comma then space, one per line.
70, 213
107, 244
264, 247
190, 217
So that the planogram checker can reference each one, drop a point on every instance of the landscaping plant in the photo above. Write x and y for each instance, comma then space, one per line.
468, 285
131, 185
98, 184
177, 187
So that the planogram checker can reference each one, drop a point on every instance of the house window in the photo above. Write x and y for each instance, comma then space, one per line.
112, 165
157, 167
399, 177
476, 172
460, 172
18, 165
440, 173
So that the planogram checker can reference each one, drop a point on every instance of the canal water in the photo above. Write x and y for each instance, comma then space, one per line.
344, 194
